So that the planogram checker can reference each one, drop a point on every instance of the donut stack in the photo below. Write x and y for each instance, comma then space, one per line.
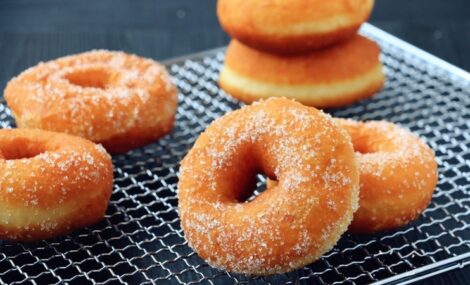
307, 50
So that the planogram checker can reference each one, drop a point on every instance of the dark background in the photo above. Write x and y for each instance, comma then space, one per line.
32, 30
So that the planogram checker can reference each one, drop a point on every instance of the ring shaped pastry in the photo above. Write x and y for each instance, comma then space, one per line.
287, 226
292, 26
50, 183
119, 100
398, 175
333, 77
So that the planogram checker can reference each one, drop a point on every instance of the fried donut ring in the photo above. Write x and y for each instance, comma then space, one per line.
292, 26
332, 77
119, 100
290, 225
50, 184
398, 175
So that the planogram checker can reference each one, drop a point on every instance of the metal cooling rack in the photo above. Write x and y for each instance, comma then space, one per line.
140, 241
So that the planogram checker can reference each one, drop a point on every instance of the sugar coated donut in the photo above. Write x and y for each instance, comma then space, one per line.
287, 226
119, 100
398, 175
50, 183
332, 77
292, 26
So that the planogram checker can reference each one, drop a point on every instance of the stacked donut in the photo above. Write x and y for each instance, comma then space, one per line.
307, 50
51, 180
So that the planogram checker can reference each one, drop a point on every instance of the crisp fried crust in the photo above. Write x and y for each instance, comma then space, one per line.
287, 226
122, 101
331, 77
398, 175
50, 184
292, 26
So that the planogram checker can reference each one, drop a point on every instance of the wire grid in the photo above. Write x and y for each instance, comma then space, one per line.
141, 242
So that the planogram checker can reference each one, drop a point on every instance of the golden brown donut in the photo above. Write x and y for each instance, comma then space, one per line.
288, 226
398, 175
119, 100
50, 184
332, 77
292, 26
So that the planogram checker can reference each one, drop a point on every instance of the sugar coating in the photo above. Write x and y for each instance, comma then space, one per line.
398, 174
38, 193
135, 92
287, 226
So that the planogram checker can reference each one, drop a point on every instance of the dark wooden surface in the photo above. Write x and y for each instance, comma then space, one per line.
32, 30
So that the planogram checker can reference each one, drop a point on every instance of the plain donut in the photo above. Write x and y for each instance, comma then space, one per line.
292, 26
332, 77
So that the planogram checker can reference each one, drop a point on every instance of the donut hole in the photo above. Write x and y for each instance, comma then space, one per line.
89, 78
248, 180
371, 143
362, 147
261, 186
263, 183
21, 149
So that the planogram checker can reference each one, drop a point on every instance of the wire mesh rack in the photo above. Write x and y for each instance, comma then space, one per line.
140, 241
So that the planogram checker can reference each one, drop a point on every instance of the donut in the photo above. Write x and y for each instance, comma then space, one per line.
119, 100
288, 226
331, 77
50, 184
398, 175
292, 26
